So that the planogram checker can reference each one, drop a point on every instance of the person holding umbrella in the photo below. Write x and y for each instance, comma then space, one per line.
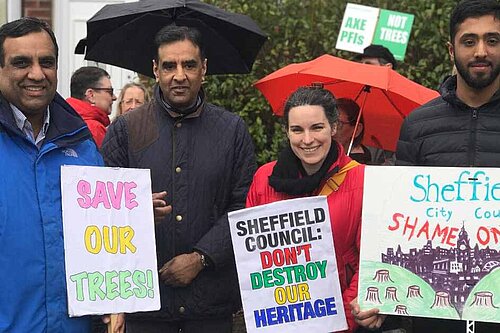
311, 158
202, 161
459, 128
377, 55
351, 130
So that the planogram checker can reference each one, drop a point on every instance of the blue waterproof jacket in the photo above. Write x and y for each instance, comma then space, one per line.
32, 276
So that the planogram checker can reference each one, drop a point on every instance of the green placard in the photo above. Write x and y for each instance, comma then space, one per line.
393, 31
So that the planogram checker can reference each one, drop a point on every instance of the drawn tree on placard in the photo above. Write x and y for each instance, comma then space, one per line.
441, 300
401, 309
382, 275
372, 295
390, 294
484, 299
413, 292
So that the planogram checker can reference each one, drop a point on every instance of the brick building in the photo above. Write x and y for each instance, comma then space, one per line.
37, 8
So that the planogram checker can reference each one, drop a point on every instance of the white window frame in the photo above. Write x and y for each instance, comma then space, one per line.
13, 10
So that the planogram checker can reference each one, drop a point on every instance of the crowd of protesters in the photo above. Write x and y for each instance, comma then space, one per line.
203, 166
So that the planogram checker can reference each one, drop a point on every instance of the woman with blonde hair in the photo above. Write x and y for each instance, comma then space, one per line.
132, 96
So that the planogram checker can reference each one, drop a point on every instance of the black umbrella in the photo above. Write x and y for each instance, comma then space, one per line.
123, 35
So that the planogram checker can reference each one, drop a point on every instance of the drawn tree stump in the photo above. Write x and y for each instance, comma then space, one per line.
483, 299
390, 294
372, 295
401, 309
413, 292
441, 300
382, 275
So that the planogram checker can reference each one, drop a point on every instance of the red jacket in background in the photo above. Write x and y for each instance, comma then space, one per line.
345, 213
96, 119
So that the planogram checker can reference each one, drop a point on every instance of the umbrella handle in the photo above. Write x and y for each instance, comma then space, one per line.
366, 89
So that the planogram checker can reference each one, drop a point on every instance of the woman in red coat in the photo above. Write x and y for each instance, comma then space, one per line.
302, 169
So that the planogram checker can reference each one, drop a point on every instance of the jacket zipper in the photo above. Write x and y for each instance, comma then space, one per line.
173, 304
472, 139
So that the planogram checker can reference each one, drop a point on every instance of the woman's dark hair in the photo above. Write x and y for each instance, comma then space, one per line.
312, 96
351, 109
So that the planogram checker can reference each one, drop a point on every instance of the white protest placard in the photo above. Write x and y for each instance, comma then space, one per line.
287, 267
430, 243
109, 242
358, 26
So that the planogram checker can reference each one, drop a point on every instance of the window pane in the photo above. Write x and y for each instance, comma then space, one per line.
3, 11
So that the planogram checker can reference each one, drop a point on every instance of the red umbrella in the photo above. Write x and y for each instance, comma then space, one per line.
384, 96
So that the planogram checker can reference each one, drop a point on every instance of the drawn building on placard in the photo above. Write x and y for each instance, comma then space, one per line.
454, 271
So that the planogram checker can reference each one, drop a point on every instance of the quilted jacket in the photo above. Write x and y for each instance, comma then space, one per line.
447, 132
345, 213
205, 162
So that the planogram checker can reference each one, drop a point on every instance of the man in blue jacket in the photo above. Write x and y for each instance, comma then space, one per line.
39, 132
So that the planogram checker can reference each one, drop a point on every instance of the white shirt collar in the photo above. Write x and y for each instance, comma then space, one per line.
25, 126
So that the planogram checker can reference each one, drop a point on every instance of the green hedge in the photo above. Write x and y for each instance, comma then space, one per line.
300, 30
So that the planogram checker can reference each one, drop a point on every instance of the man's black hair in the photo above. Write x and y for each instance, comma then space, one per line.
173, 33
84, 78
23, 27
471, 8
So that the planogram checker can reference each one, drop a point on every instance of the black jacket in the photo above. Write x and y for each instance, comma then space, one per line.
447, 132
205, 161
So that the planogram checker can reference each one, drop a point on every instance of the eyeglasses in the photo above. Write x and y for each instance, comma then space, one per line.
108, 90
129, 102
342, 123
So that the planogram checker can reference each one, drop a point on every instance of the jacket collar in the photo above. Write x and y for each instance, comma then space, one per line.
88, 111
448, 91
64, 121
157, 93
